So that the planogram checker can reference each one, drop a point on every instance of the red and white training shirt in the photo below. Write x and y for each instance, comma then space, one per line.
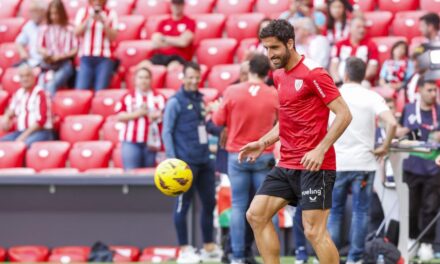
304, 93
136, 131
57, 40
94, 41
31, 107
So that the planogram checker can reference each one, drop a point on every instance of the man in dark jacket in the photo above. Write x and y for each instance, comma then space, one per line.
185, 137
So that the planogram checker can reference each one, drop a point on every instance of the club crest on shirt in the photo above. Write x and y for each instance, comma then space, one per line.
181, 28
298, 84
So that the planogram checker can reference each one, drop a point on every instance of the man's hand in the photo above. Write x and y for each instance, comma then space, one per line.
312, 161
380, 151
5, 123
214, 106
251, 151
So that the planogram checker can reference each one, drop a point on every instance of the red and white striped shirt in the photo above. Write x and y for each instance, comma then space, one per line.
57, 40
136, 131
94, 42
31, 107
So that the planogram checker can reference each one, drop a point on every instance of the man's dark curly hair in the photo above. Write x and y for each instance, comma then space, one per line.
279, 28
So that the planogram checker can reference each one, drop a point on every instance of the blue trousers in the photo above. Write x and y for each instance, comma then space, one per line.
137, 155
204, 183
40, 135
94, 72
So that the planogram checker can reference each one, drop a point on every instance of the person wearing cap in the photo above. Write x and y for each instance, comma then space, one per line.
173, 40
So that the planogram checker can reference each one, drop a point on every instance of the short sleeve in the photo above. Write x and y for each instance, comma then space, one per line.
23, 37
379, 104
121, 106
191, 25
336, 51
373, 53
323, 85
80, 16
113, 16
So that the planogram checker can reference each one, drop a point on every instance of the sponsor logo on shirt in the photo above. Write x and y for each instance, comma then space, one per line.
181, 28
167, 28
311, 191
319, 88
298, 84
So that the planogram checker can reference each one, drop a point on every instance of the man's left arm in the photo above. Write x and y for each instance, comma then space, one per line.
181, 41
39, 125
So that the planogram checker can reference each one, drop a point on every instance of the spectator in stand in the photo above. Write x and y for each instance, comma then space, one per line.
356, 45
27, 40
30, 106
397, 70
310, 44
420, 172
258, 48
300, 9
356, 156
58, 46
429, 27
174, 37
337, 26
246, 121
141, 111
96, 26
410, 85
185, 137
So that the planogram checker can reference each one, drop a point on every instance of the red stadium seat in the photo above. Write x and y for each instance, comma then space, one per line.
77, 102
407, 24
4, 99
130, 28
124, 254
430, 5
152, 24
229, 7
384, 45
209, 94
107, 171
11, 80
269, 7
2, 254
12, 154
104, 101
90, 154
378, 23
24, 7
398, 5
216, 51
244, 46
166, 92
70, 254
111, 129
242, 26
117, 157
17, 171
148, 8
81, 128
28, 254
60, 171
8, 55
193, 7
122, 7
131, 52
10, 28
47, 155
221, 76
9, 8
158, 71
174, 77
72, 7
364, 5
143, 171
208, 26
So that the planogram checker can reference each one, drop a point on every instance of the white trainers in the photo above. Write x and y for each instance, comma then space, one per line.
425, 252
211, 256
238, 261
188, 256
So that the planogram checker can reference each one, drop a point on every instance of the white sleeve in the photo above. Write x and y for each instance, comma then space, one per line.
379, 104
319, 50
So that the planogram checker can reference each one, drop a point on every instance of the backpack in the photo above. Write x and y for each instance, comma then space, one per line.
380, 245
100, 253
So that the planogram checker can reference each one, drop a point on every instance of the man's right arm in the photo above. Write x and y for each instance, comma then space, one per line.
172, 110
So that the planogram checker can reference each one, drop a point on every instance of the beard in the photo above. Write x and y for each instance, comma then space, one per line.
284, 59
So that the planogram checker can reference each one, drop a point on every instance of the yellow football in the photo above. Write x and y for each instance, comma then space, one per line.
173, 177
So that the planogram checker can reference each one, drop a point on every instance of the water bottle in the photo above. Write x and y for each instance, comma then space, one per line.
380, 259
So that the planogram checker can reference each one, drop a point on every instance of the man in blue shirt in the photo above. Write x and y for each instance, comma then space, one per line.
185, 137
423, 175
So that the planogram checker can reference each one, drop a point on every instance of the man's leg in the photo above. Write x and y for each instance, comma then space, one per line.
11, 136
40, 135
131, 155
315, 229
104, 73
339, 196
361, 189
86, 73
259, 215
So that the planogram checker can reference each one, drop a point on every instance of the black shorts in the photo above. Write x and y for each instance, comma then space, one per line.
161, 59
312, 190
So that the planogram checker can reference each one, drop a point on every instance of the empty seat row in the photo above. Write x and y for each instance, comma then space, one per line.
69, 254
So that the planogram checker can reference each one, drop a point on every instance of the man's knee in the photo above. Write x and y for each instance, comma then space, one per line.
254, 219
